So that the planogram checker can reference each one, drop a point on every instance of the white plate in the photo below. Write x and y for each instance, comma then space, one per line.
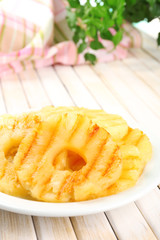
149, 179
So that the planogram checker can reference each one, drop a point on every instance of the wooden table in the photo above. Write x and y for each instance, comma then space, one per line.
131, 88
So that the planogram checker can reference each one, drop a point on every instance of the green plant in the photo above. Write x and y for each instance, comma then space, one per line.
93, 19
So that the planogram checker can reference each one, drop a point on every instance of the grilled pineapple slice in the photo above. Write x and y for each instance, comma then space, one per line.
135, 146
68, 158
12, 130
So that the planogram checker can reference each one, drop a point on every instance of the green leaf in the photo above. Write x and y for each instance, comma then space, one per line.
105, 34
76, 38
82, 47
96, 45
91, 31
158, 39
90, 58
151, 2
79, 34
74, 3
119, 20
117, 38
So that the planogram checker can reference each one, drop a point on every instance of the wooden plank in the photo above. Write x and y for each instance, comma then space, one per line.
147, 60
150, 46
144, 73
81, 96
135, 106
150, 209
13, 94
88, 229
54, 228
147, 95
101, 93
54, 88
16, 227
130, 226
34, 91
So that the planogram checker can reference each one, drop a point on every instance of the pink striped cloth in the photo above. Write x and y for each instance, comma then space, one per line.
27, 30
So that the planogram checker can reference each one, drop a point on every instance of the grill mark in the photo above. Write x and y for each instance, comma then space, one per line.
91, 135
78, 122
139, 139
97, 156
94, 130
14, 125
4, 170
112, 159
68, 184
45, 183
30, 147
125, 137
62, 187
11, 134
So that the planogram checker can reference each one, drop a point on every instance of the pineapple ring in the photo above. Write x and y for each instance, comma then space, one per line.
12, 130
135, 146
45, 171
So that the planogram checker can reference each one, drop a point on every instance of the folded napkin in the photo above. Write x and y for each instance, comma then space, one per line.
34, 34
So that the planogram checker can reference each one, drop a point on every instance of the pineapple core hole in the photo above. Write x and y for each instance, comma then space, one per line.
11, 153
69, 160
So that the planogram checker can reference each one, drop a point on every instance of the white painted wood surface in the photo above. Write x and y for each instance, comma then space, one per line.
131, 88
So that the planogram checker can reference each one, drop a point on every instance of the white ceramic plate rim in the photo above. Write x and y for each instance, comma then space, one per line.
149, 179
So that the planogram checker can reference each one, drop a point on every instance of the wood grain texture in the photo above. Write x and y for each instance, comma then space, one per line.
54, 88
54, 228
13, 94
106, 99
144, 73
75, 87
93, 227
148, 97
132, 226
150, 46
146, 59
150, 208
34, 92
16, 227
